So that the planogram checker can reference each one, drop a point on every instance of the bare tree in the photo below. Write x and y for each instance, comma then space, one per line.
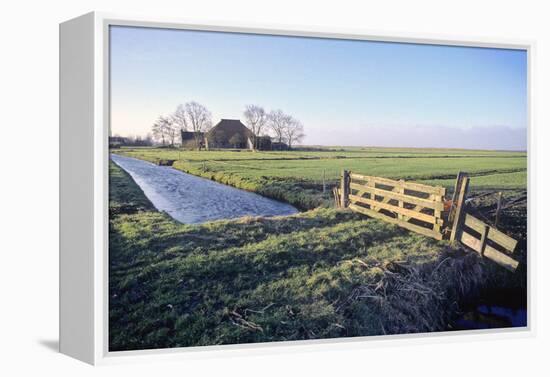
171, 129
278, 122
180, 121
255, 118
164, 130
198, 119
294, 132
159, 131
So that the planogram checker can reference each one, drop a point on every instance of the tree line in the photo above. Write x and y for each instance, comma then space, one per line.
132, 140
196, 118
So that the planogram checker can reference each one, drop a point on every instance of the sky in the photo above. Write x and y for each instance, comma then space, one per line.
345, 92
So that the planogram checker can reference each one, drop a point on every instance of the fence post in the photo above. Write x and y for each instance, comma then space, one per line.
458, 183
344, 189
484, 239
458, 215
437, 214
336, 197
499, 205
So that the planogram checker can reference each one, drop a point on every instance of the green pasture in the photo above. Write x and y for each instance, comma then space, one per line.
297, 176
322, 273
319, 274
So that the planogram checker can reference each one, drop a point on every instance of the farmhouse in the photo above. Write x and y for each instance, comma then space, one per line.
228, 133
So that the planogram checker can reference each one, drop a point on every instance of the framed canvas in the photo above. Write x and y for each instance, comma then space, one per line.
244, 188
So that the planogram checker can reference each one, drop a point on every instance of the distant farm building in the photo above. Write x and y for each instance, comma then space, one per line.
276, 146
117, 141
188, 138
228, 133
263, 143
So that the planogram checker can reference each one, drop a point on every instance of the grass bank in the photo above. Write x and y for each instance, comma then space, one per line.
319, 274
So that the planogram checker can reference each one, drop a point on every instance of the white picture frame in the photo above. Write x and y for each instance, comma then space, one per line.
84, 122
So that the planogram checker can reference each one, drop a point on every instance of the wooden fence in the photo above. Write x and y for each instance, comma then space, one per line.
474, 233
410, 205
420, 208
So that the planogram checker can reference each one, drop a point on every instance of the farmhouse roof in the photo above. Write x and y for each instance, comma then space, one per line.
231, 127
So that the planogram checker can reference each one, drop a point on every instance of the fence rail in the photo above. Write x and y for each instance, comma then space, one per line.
438, 190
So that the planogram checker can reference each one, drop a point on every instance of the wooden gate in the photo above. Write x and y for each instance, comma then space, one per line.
420, 208
410, 205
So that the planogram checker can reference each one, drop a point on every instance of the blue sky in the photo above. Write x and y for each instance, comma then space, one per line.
344, 92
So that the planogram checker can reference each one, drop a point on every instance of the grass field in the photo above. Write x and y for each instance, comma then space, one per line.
319, 274
296, 176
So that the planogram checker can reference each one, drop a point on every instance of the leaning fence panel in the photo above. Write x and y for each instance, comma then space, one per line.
488, 241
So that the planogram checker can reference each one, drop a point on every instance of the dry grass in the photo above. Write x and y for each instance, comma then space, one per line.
421, 298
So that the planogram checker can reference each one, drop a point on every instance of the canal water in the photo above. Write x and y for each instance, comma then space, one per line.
190, 199
497, 308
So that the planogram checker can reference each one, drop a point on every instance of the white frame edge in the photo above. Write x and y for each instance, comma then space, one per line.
76, 197
84, 116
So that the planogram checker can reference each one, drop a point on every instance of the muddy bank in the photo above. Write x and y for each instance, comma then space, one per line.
190, 199
502, 303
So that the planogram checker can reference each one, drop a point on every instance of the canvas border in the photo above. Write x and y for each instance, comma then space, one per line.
101, 127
